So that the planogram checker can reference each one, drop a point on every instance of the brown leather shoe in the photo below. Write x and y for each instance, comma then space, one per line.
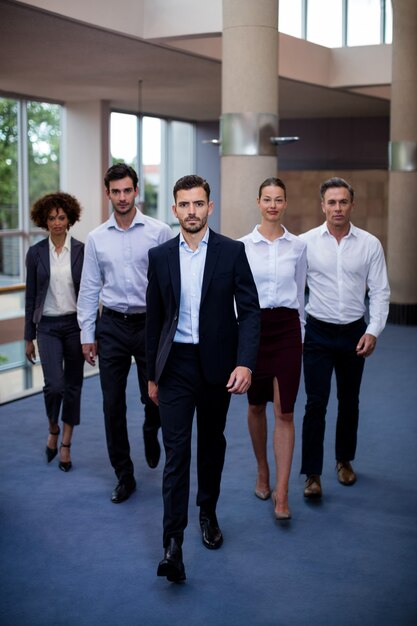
312, 486
345, 474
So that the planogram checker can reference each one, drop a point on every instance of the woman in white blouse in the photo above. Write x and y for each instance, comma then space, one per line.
52, 283
278, 262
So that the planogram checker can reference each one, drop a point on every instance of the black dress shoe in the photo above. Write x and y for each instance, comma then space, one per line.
171, 565
122, 491
210, 532
152, 447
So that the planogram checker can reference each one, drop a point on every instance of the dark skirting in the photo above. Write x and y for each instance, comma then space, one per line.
279, 357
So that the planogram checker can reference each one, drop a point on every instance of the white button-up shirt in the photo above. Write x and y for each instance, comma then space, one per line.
339, 274
279, 270
60, 298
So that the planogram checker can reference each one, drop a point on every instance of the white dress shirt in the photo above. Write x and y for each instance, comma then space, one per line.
115, 268
338, 276
60, 298
192, 263
279, 270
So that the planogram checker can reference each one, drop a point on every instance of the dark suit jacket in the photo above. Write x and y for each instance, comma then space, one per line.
224, 341
37, 280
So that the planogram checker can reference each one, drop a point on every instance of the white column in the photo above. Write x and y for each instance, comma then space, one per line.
85, 159
402, 222
249, 108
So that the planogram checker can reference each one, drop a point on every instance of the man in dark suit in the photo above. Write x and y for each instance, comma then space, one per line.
199, 352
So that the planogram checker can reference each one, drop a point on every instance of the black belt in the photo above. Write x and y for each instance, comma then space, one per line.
127, 317
335, 326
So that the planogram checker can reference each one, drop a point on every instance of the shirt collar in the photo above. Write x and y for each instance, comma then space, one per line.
137, 219
204, 239
67, 243
256, 235
352, 230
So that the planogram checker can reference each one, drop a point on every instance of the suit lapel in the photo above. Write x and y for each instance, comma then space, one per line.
43, 252
174, 267
76, 248
213, 250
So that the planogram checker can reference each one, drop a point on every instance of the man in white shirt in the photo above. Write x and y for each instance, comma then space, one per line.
115, 272
343, 262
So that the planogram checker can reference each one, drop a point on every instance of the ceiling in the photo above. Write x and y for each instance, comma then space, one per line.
49, 57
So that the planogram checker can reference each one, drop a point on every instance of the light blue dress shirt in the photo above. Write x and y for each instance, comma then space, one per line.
192, 263
115, 268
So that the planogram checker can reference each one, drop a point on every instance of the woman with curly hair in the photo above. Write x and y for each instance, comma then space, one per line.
53, 279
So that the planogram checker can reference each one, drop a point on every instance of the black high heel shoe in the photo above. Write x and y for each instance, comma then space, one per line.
65, 466
52, 452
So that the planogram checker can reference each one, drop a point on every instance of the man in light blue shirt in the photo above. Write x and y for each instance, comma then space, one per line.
115, 274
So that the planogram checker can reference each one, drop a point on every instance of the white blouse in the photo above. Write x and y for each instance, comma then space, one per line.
279, 269
60, 297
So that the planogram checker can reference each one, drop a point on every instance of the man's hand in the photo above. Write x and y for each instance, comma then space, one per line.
90, 352
30, 351
366, 345
240, 380
153, 391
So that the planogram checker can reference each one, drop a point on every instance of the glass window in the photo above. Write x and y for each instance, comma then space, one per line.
151, 165
388, 22
181, 151
12, 304
124, 139
324, 22
166, 151
290, 17
364, 22
10, 260
9, 150
44, 131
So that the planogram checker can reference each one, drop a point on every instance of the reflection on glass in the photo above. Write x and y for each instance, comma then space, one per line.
324, 22
290, 20
364, 22
9, 204
10, 270
44, 131
151, 161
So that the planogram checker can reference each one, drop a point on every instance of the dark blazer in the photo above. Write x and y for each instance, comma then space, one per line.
224, 340
37, 280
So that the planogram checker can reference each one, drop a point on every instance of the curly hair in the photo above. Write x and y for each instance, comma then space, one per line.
59, 200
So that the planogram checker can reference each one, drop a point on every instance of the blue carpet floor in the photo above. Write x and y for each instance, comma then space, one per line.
69, 557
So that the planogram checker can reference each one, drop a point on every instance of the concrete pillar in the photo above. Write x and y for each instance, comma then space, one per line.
402, 215
249, 108
85, 159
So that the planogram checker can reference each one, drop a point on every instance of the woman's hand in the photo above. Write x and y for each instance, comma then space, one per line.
30, 352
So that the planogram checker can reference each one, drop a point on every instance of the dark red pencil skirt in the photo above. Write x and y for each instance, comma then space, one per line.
279, 357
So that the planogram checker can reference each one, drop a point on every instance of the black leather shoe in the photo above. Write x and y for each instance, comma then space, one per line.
171, 565
152, 447
122, 491
210, 532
